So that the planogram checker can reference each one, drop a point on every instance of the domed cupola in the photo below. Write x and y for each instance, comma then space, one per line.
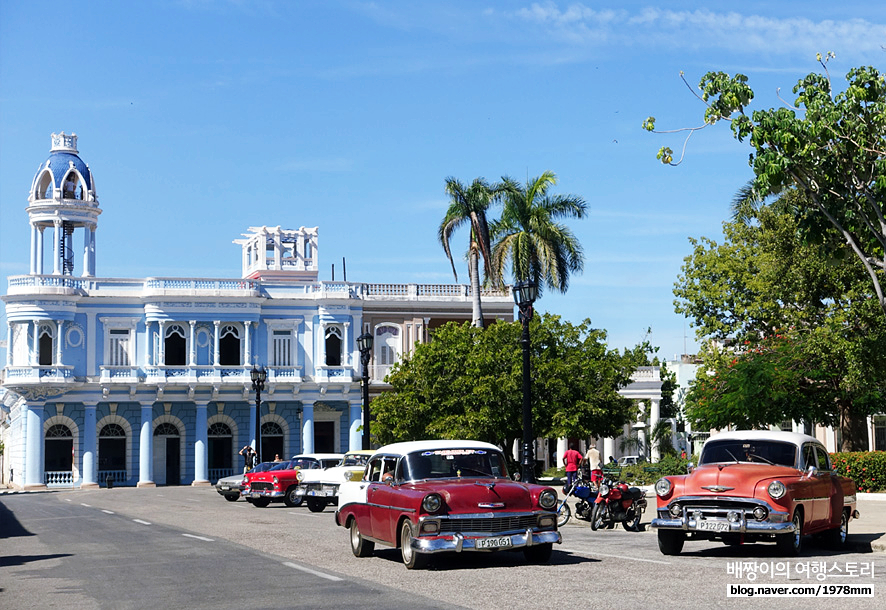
63, 198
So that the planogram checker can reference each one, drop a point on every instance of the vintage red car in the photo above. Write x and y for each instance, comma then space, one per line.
280, 483
753, 486
428, 497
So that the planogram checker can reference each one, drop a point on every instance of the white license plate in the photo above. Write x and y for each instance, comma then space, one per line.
226, 487
712, 526
493, 543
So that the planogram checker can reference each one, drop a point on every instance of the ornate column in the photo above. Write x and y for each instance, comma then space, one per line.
307, 428
9, 345
90, 445
654, 417
355, 437
34, 445
348, 353
35, 348
33, 249
149, 344
247, 351
201, 446
146, 446
192, 344
608, 449
56, 266
58, 342
161, 357
215, 340
562, 446
39, 250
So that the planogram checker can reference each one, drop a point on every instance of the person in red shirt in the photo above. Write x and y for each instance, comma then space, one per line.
571, 459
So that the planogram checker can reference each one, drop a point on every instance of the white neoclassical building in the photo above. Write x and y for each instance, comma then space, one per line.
147, 381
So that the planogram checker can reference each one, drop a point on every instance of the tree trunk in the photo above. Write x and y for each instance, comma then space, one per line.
477, 309
853, 429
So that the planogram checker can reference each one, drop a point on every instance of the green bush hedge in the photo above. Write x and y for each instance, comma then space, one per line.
866, 468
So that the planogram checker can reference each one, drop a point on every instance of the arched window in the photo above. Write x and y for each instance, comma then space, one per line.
44, 186
112, 447
58, 449
333, 346
229, 346
175, 346
387, 348
271, 441
166, 429
220, 445
45, 342
71, 187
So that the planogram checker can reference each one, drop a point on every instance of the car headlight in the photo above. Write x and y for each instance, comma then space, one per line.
432, 503
604, 489
299, 476
547, 499
276, 481
776, 490
663, 487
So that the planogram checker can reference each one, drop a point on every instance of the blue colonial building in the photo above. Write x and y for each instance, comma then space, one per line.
147, 381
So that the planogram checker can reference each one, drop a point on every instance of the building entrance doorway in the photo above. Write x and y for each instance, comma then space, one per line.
167, 455
324, 436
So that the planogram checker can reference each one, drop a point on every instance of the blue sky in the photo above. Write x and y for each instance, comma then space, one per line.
201, 118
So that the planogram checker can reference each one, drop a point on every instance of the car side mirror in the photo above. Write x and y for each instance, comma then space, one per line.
690, 467
811, 471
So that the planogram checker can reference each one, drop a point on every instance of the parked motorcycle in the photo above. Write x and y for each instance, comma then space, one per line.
618, 503
581, 490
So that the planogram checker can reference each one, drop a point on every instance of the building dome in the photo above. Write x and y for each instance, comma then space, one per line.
62, 159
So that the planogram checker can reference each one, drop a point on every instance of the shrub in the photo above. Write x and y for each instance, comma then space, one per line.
866, 468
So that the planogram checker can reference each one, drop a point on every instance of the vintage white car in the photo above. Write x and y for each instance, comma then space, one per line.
320, 487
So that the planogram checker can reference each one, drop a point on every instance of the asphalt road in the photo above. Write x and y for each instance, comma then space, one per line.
188, 547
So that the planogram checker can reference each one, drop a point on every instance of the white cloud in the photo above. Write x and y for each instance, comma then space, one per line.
579, 24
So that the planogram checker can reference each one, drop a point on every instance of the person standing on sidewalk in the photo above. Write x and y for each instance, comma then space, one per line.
571, 459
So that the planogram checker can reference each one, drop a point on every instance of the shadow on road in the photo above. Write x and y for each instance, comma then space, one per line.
475, 561
10, 527
20, 560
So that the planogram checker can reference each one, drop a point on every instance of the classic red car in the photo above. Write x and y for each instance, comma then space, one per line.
427, 497
280, 483
755, 486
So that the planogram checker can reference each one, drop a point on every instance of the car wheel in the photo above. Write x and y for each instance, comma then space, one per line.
412, 559
597, 517
836, 538
539, 553
790, 545
232, 498
291, 498
670, 542
316, 505
632, 523
563, 514
261, 502
359, 545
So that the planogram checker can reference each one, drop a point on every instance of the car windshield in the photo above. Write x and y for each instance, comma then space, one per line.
450, 463
759, 451
357, 459
263, 467
304, 463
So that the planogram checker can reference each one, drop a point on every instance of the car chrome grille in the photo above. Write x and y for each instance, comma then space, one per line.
489, 525
261, 486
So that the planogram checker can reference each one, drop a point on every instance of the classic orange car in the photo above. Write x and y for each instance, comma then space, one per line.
753, 486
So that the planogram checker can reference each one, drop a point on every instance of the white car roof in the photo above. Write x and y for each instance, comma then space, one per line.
320, 456
767, 435
410, 446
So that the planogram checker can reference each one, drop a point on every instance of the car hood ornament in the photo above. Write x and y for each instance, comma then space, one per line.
716, 488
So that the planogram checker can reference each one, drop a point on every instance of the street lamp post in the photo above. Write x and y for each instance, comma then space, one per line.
259, 376
364, 344
525, 293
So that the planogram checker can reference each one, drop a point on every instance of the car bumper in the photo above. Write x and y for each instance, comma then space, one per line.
687, 523
266, 494
459, 542
326, 491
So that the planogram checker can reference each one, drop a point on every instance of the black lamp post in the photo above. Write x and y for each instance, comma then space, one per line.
525, 293
259, 376
364, 344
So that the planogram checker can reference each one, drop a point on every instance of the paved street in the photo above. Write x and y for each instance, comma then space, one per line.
185, 546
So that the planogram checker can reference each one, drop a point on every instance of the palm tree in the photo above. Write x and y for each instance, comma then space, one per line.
468, 205
527, 234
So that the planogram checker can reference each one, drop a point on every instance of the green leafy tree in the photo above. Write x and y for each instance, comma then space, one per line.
529, 238
830, 145
468, 206
467, 383
805, 340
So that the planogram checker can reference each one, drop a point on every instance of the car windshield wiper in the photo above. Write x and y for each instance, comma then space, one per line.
474, 470
759, 457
